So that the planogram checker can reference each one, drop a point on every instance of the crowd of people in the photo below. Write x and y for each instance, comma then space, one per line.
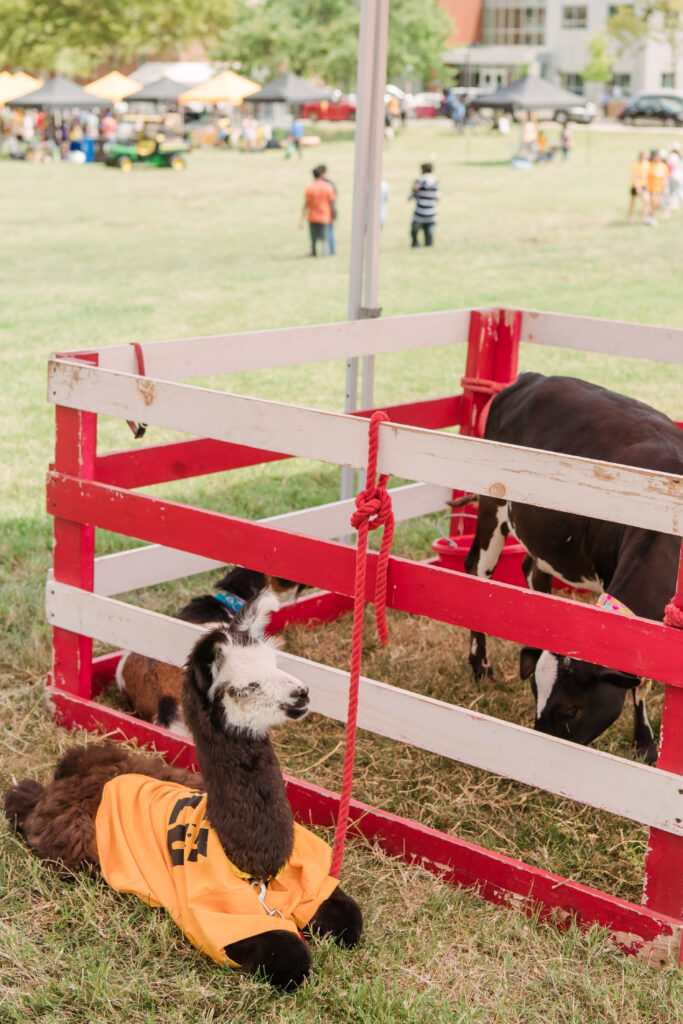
44, 136
657, 184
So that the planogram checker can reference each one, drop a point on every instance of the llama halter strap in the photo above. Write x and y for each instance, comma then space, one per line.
613, 604
231, 601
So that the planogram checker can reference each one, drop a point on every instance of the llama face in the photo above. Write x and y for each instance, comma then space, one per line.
242, 680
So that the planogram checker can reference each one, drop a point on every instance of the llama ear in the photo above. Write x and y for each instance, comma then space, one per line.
206, 659
255, 615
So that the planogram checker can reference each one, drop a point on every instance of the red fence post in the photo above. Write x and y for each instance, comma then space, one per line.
74, 545
663, 885
492, 355
508, 332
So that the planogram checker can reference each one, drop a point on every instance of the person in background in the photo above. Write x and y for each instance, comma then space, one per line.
332, 242
317, 209
459, 112
383, 201
92, 125
675, 176
657, 185
529, 137
640, 174
566, 141
108, 126
297, 133
403, 106
425, 192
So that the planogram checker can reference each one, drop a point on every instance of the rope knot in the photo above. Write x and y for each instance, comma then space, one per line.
484, 386
673, 615
373, 502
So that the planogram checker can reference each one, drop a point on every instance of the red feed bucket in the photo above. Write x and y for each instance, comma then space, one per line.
451, 552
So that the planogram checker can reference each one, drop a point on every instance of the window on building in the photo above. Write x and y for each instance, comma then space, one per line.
509, 24
613, 8
573, 82
621, 83
575, 16
668, 81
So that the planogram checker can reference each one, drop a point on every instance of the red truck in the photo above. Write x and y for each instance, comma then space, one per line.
343, 109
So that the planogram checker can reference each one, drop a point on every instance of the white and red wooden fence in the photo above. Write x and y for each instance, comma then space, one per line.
87, 491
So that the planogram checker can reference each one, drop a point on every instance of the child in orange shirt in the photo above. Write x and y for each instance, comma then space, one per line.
640, 173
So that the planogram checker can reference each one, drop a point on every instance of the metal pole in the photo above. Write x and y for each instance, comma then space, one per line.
366, 57
373, 232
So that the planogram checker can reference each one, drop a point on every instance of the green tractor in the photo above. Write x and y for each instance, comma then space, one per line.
158, 151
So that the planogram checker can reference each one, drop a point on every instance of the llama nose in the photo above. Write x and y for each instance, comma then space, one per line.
300, 696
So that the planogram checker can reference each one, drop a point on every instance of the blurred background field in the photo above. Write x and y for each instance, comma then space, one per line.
95, 257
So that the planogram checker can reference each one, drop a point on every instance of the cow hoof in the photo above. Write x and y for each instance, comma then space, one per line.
648, 753
480, 670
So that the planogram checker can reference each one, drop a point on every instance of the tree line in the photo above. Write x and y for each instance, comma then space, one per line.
309, 37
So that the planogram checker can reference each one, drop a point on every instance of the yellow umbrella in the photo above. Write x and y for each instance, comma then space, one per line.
14, 86
226, 87
113, 87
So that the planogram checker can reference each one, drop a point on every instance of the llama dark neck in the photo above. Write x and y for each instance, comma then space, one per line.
246, 800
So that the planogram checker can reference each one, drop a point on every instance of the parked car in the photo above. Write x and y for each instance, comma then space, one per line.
658, 107
342, 109
426, 104
582, 113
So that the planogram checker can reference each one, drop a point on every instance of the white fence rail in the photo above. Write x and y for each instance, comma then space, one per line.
632, 790
603, 490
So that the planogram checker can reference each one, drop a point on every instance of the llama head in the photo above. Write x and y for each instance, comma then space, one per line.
232, 676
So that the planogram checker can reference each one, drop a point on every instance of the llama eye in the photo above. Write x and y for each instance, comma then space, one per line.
240, 692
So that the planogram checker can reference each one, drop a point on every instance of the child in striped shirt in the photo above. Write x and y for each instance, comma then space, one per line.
425, 192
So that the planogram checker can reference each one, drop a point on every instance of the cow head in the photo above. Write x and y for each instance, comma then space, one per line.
575, 700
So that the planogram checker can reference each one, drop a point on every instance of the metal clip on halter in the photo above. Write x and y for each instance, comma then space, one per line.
260, 890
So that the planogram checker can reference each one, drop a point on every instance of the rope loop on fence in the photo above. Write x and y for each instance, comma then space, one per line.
374, 501
482, 386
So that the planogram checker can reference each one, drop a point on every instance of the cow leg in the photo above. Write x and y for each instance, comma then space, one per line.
643, 737
536, 579
482, 559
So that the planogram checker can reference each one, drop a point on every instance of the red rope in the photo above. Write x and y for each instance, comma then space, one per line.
673, 613
138, 429
481, 386
373, 501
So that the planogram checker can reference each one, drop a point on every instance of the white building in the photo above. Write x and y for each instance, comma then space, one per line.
495, 41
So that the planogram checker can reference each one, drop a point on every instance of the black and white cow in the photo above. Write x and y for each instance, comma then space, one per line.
576, 699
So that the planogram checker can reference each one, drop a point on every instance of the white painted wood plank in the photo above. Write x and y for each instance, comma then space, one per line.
618, 493
185, 358
144, 566
633, 790
614, 337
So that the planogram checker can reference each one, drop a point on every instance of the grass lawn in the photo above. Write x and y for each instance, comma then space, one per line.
95, 257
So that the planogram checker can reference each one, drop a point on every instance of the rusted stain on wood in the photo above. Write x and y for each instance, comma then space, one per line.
147, 389
603, 474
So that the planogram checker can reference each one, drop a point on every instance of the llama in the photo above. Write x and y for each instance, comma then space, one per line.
235, 872
154, 688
